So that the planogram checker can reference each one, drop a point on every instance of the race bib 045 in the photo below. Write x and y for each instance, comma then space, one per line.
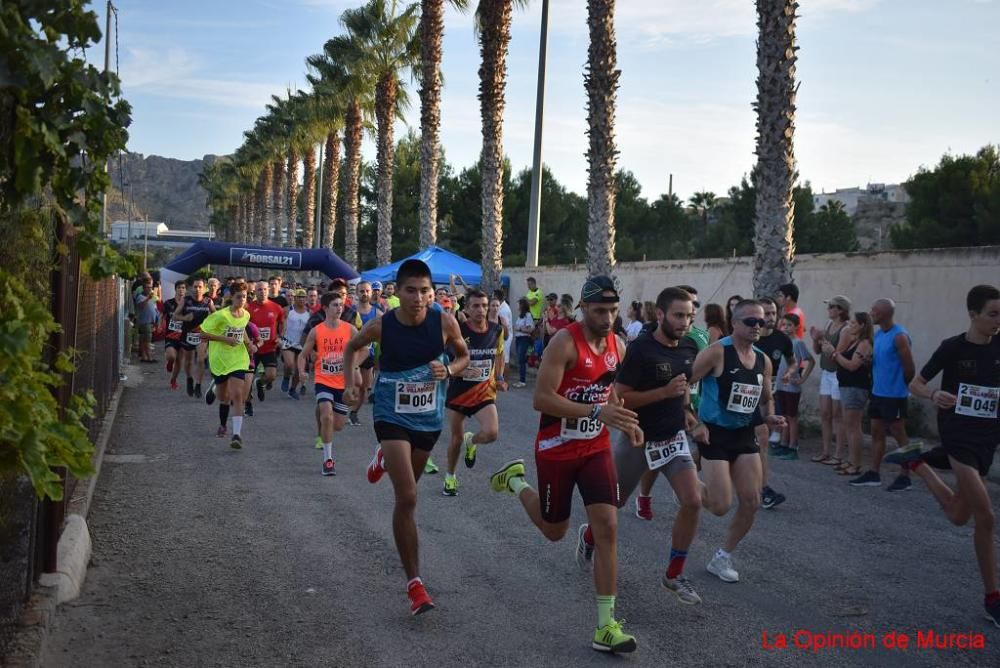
977, 401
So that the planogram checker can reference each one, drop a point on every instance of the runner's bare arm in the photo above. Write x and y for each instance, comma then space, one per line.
708, 361
369, 334
560, 355
307, 348
905, 356
767, 397
453, 338
498, 369
940, 398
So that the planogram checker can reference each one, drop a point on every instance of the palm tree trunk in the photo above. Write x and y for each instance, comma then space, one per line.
246, 233
292, 200
601, 84
331, 178
308, 196
232, 218
385, 108
775, 174
352, 155
264, 205
431, 35
277, 200
494, 38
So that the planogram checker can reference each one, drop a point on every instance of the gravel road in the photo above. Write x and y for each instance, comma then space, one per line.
204, 556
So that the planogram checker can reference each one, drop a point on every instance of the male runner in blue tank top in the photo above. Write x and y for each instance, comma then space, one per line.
409, 401
735, 380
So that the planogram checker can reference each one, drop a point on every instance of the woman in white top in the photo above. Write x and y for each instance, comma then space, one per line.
291, 344
524, 326
634, 327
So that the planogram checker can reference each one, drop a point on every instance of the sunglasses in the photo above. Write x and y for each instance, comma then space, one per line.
697, 304
754, 322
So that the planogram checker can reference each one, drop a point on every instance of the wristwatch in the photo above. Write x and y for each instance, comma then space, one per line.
595, 410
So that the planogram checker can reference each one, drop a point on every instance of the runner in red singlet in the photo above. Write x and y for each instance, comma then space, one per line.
574, 393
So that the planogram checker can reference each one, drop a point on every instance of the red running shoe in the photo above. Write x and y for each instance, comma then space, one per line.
173, 385
376, 469
643, 507
420, 600
170, 366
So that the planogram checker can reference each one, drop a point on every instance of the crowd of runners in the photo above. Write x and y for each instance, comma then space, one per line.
620, 401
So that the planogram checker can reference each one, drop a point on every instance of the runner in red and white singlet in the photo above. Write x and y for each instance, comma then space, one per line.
574, 392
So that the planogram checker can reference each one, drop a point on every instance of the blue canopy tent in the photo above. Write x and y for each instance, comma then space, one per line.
242, 255
443, 264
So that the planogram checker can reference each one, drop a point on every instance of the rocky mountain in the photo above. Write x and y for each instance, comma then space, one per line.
164, 189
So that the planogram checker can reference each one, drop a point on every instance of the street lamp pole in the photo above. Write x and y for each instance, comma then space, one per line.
534, 213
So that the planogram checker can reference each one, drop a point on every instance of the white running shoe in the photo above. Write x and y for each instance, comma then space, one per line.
721, 566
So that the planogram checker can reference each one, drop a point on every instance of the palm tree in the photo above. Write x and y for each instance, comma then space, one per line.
703, 202
493, 20
389, 38
601, 84
277, 201
328, 105
431, 36
331, 177
775, 173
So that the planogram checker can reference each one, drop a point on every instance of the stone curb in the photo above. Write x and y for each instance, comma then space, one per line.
73, 555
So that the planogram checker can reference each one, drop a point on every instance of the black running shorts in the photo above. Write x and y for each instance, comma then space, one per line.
728, 444
421, 440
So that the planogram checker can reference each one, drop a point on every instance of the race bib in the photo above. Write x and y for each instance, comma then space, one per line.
332, 364
478, 371
235, 333
583, 429
743, 398
693, 388
284, 343
193, 338
175, 325
661, 453
977, 401
265, 333
416, 397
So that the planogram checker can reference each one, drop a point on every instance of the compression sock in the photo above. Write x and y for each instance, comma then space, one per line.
676, 566
605, 610
237, 424
223, 413
328, 451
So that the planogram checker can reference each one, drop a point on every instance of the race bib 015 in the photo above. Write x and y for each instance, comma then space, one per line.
333, 365
478, 371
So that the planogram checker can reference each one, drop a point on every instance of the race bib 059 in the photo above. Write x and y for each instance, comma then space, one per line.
582, 429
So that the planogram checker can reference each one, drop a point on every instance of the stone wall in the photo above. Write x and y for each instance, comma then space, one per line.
929, 286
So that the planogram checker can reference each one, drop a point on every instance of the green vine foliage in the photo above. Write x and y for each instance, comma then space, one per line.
34, 437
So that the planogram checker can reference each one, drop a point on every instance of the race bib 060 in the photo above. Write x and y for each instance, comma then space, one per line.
582, 429
743, 398
661, 453
478, 371
977, 401
416, 397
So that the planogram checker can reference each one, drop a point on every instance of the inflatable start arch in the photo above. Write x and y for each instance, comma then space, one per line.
262, 257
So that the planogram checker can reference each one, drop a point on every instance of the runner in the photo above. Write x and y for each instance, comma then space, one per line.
698, 336
312, 300
269, 316
229, 351
391, 300
892, 371
196, 307
653, 382
215, 291
788, 390
274, 291
735, 378
968, 424
409, 397
171, 311
367, 311
576, 399
779, 348
474, 392
327, 341
291, 344
377, 299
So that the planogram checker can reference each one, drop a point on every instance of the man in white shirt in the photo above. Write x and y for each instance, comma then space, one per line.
507, 318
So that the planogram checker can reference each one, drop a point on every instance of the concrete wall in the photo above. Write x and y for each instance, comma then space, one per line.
929, 286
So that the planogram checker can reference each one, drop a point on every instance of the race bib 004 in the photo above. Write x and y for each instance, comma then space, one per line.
416, 397
977, 401
582, 429
743, 398
661, 453
478, 371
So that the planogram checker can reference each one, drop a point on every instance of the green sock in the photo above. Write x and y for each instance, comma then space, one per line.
605, 610
517, 484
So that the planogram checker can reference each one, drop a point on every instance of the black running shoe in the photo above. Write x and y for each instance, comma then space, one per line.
190, 387
210, 395
236, 442
352, 417
260, 390
993, 612
197, 391
248, 409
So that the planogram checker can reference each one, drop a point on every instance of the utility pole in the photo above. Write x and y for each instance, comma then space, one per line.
534, 212
317, 242
107, 67
145, 242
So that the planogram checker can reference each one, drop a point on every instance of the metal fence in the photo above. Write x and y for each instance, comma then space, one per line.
92, 315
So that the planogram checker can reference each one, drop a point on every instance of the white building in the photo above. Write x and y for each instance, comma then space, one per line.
120, 229
850, 197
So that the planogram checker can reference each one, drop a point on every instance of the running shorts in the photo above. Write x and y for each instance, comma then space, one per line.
421, 440
728, 444
171, 343
266, 359
232, 374
787, 403
469, 411
331, 394
631, 464
594, 475
979, 457
889, 409
369, 363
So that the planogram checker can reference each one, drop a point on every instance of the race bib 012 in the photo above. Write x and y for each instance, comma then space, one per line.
661, 453
333, 365
977, 401
416, 398
743, 398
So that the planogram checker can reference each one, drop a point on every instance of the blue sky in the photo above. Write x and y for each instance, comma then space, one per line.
886, 85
